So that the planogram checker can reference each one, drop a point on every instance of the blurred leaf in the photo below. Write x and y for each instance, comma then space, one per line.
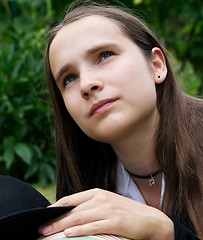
23, 151
46, 172
8, 156
31, 171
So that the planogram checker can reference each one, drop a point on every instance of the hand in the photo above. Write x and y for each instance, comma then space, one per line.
102, 212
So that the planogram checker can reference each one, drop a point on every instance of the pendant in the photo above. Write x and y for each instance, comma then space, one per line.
151, 181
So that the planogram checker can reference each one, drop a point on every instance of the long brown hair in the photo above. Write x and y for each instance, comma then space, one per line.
83, 163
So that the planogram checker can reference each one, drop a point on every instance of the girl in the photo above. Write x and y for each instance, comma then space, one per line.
129, 143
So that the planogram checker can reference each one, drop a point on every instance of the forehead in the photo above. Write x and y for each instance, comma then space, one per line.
94, 27
73, 41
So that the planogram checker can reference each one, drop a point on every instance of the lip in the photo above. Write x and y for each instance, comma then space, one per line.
100, 104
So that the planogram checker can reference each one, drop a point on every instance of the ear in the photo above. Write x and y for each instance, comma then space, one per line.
158, 65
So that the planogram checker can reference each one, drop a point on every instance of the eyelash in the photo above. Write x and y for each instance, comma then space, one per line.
101, 55
66, 81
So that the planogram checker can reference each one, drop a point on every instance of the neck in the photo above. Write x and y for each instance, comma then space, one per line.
137, 157
136, 150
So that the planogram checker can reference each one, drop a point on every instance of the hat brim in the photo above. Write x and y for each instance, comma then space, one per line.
25, 224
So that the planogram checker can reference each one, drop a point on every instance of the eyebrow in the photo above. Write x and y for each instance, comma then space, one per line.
100, 47
62, 71
90, 51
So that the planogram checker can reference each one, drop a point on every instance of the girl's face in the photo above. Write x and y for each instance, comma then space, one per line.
107, 85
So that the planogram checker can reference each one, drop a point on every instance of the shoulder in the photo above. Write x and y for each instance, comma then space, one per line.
193, 116
195, 104
181, 232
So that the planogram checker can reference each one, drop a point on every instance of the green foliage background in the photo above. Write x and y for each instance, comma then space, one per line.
26, 144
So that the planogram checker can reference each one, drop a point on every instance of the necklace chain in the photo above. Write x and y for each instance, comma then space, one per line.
150, 177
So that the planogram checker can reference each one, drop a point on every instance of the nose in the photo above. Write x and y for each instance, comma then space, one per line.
89, 85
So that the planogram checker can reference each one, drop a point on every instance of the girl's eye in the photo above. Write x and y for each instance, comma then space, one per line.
69, 79
105, 55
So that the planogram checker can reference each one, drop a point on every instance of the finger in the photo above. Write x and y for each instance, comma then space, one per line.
90, 203
77, 198
106, 226
78, 218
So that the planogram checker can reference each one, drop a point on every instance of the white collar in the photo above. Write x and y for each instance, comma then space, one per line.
128, 188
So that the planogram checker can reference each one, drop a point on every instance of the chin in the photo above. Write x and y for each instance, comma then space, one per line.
106, 138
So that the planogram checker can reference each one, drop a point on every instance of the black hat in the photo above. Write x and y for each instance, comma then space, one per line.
23, 210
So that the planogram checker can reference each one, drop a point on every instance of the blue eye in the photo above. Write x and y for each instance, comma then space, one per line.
69, 79
106, 54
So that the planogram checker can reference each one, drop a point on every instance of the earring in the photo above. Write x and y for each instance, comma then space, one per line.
158, 76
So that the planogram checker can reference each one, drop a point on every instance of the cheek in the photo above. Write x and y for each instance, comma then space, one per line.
138, 84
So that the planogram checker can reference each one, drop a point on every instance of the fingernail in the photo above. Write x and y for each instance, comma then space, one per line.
68, 232
46, 230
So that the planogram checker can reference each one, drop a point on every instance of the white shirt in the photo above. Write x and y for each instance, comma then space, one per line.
128, 188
